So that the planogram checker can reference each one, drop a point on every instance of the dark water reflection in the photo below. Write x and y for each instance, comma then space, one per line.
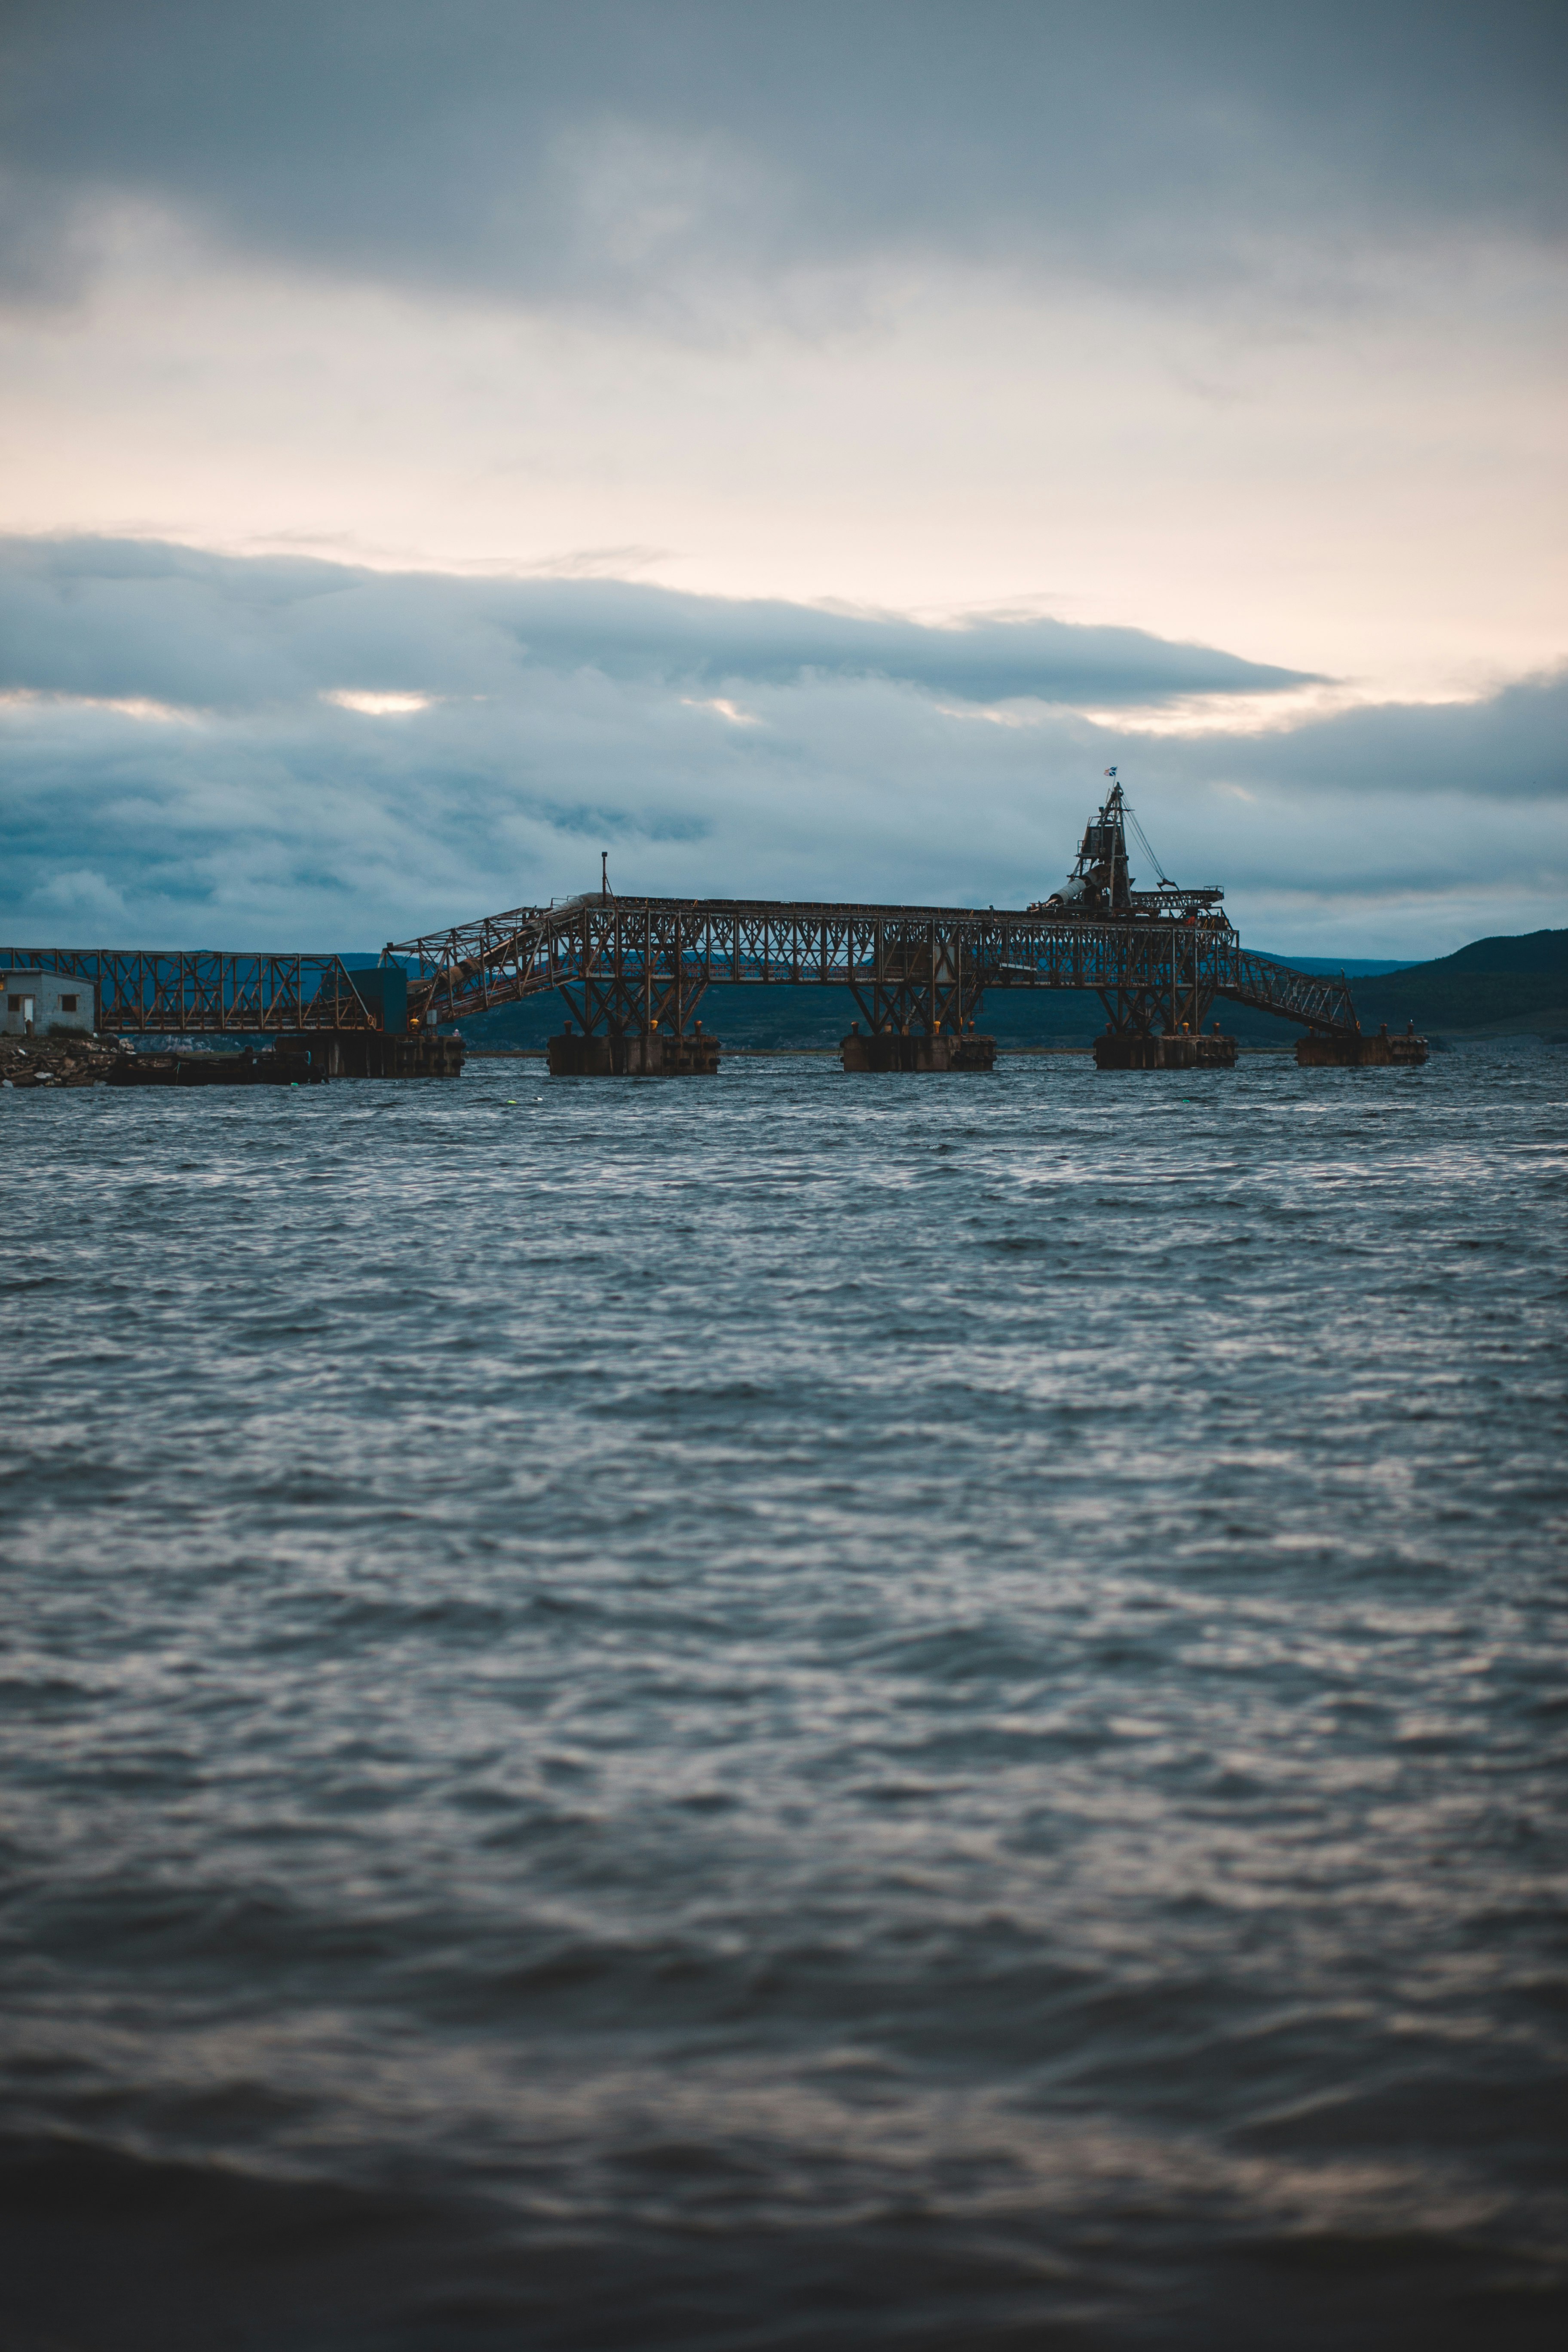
801, 1711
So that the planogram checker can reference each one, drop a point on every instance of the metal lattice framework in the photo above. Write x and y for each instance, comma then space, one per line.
145, 992
1317, 999
628, 964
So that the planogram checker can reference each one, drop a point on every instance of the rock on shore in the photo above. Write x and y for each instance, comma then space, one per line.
77, 1061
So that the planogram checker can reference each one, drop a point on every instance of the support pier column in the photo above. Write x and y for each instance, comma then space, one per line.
634, 1053
879, 1050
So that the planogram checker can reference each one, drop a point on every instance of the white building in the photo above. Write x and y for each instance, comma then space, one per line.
32, 1003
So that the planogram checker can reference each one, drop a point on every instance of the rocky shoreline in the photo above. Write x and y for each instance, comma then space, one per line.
84, 1061
60, 1061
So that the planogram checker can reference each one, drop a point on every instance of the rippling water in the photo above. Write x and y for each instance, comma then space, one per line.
789, 1712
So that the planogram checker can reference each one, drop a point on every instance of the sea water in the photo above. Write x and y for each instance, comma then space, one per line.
787, 1711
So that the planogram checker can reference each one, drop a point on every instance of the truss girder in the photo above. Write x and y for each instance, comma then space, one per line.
628, 963
1317, 999
155, 993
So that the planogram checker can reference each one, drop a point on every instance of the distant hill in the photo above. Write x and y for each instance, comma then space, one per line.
1351, 966
1501, 986
1533, 952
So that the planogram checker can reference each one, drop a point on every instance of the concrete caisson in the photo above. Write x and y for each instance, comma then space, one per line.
633, 1054
1123, 1049
878, 1050
1322, 1052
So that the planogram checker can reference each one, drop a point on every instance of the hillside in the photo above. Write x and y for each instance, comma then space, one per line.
1496, 986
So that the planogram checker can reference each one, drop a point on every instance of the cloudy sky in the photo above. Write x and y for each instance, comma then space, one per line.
796, 449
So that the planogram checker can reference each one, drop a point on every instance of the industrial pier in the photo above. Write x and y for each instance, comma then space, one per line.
632, 973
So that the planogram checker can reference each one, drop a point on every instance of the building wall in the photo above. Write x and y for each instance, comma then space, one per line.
57, 1002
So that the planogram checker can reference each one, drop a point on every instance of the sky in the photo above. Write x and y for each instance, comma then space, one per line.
796, 450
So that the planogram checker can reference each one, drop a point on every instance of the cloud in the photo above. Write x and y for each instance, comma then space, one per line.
1232, 318
617, 153
560, 717
123, 620
371, 705
1507, 746
78, 890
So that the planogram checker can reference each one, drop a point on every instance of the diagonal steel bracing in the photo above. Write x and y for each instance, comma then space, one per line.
626, 963
152, 992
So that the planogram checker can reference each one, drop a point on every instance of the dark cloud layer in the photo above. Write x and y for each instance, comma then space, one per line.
618, 150
1507, 746
116, 619
242, 809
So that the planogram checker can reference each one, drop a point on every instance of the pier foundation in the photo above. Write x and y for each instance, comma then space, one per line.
305, 1061
246, 1069
1128, 1049
635, 1053
1321, 1052
371, 1054
879, 1050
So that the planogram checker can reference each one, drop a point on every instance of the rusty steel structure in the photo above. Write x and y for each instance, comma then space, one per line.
633, 971
629, 969
628, 965
157, 992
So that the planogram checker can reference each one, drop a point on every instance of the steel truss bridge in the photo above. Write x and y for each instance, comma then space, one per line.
147, 992
628, 964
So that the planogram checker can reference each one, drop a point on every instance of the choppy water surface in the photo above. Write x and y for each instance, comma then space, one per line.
789, 1712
